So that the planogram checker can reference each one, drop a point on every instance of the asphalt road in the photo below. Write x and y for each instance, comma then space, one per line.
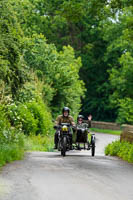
78, 176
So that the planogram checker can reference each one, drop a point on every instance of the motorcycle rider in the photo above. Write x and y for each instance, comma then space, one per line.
64, 118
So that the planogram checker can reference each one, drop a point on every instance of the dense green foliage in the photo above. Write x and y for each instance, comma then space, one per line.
119, 56
59, 73
101, 33
123, 150
36, 80
12, 68
77, 23
31, 117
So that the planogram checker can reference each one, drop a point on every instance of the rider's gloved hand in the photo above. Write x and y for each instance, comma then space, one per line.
55, 126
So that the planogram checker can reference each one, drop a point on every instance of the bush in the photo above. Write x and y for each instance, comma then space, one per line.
130, 154
44, 120
32, 117
21, 118
112, 149
123, 150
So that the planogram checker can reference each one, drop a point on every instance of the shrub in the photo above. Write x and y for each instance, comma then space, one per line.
21, 118
123, 150
112, 149
32, 117
130, 154
44, 120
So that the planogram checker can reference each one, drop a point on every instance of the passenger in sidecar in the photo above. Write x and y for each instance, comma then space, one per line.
82, 131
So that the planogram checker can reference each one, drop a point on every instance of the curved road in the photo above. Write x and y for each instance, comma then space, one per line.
78, 176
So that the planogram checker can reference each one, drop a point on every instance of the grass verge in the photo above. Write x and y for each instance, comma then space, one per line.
107, 131
11, 147
10, 152
123, 150
38, 143
15, 151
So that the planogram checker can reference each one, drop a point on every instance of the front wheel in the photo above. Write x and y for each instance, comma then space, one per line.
93, 145
64, 146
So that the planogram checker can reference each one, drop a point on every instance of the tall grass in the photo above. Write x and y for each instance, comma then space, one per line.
10, 152
12, 148
39, 143
15, 151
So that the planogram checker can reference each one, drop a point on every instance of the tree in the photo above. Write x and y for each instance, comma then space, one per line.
58, 71
76, 23
119, 56
12, 73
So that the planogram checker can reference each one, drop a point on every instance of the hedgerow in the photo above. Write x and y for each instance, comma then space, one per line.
31, 117
36, 81
11, 141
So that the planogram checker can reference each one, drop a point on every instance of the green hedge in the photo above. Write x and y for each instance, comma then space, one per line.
31, 117
123, 150
11, 141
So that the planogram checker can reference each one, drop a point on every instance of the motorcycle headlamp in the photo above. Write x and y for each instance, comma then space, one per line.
64, 128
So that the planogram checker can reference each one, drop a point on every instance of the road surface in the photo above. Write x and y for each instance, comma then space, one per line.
78, 176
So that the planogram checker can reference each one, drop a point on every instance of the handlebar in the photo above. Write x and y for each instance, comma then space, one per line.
71, 126
64, 124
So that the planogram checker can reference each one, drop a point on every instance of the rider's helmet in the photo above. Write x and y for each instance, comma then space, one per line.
80, 117
65, 109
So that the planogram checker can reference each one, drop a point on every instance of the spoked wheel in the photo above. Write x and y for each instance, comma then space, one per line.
64, 145
93, 145
93, 150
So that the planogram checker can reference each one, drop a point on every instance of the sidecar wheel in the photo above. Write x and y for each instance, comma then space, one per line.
93, 145
93, 150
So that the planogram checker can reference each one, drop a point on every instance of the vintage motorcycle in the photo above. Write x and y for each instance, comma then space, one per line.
64, 137
65, 142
